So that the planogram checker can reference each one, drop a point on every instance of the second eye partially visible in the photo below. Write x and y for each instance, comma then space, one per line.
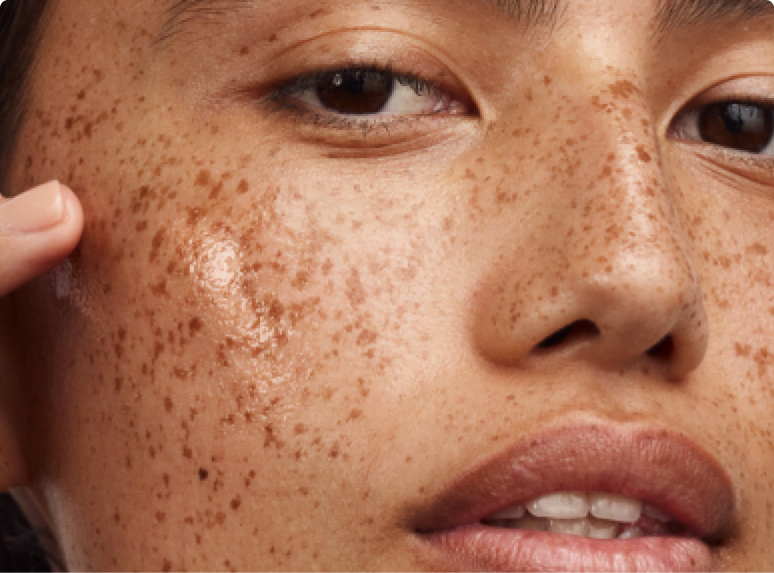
739, 124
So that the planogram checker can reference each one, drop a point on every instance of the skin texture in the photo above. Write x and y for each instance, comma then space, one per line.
277, 338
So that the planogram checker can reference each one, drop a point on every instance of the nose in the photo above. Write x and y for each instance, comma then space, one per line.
600, 271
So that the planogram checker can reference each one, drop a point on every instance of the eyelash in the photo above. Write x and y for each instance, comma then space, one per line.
281, 98
762, 164
695, 110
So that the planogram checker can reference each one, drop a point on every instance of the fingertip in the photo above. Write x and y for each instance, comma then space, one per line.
38, 229
72, 210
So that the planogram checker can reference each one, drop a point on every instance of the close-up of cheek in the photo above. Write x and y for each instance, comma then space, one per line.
234, 333
733, 259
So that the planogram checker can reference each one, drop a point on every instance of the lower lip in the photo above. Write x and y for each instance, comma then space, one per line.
478, 547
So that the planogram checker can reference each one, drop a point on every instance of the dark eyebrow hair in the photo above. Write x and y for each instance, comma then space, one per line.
181, 12
670, 14
530, 13
673, 14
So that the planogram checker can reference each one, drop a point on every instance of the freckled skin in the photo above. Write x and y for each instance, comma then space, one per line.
259, 355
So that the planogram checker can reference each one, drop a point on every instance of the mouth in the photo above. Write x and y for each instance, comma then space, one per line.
597, 515
583, 497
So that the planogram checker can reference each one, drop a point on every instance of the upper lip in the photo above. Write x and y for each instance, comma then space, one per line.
653, 464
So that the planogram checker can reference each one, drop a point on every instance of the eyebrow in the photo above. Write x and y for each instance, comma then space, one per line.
670, 14
530, 13
675, 14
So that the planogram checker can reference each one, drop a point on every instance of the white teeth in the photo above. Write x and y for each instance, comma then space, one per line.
593, 515
569, 526
615, 507
599, 529
565, 505
516, 512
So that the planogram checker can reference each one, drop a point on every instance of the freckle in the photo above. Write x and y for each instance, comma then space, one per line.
270, 437
166, 566
194, 326
642, 154
158, 240
546, 80
354, 414
235, 503
160, 288
202, 178
272, 38
299, 429
758, 249
243, 187
216, 191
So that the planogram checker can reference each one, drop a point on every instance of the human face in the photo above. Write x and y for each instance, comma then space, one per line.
292, 339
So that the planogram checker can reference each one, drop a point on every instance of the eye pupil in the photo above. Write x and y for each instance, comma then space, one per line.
743, 126
356, 92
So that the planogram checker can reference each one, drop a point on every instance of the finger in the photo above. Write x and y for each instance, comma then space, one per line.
38, 229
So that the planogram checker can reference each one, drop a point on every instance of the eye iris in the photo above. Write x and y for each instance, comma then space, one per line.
743, 126
356, 92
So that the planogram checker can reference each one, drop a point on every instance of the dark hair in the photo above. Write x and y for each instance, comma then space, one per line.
20, 549
20, 29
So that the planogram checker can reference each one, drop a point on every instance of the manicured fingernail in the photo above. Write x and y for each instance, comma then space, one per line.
35, 210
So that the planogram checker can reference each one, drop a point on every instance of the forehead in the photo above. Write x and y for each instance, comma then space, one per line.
667, 14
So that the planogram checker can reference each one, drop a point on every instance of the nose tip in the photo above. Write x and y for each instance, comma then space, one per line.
615, 324
665, 331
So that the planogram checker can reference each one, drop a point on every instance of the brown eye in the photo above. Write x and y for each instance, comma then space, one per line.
356, 92
744, 126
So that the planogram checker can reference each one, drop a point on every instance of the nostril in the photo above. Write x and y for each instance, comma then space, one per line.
664, 349
575, 332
